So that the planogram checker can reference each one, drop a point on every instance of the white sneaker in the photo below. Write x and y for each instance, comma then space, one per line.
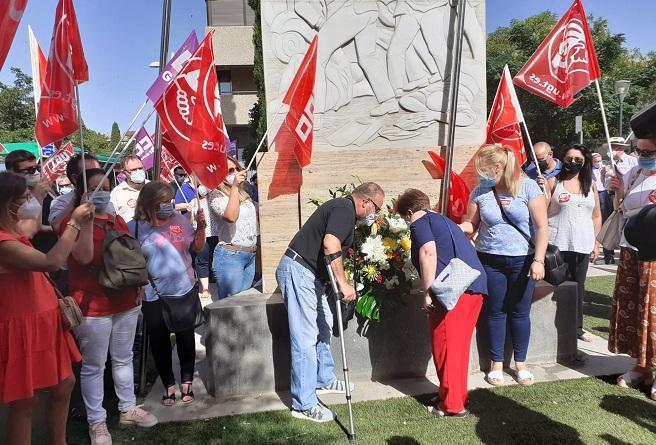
336, 387
318, 413
99, 434
139, 417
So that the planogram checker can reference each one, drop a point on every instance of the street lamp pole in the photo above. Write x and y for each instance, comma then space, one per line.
622, 90
163, 51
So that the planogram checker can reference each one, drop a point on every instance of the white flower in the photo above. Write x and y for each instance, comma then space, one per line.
359, 287
394, 281
373, 249
409, 271
396, 224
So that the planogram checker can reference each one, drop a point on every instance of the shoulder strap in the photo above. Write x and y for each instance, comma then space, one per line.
54, 286
507, 219
633, 181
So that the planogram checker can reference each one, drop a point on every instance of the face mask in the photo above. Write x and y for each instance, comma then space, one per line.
572, 167
166, 210
647, 163
486, 181
100, 200
65, 189
544, 165
598, 165
30, 209
229, 179
202, 191
138, 176
180, 178
33, 179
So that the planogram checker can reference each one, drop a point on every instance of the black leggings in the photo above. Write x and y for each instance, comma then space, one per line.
160, 343
578, 270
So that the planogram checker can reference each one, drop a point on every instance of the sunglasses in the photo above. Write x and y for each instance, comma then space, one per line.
579, 161
30, 170
232, 170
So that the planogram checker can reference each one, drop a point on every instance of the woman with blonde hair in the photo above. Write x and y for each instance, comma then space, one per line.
505, 209
234, 255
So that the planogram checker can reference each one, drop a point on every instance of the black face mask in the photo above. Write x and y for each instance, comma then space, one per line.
543, 164
572, 167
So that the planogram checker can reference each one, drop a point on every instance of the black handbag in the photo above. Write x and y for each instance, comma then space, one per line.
556, 270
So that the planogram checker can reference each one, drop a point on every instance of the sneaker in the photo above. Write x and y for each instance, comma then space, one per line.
139, 417
99, 434
336, 387
318, 413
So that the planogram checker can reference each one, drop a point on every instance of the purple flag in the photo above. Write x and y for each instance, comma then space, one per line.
174, 66
144, 148
232, 149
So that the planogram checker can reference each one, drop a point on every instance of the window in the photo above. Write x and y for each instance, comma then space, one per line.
225, 83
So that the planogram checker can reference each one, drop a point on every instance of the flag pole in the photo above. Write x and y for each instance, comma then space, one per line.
36, 82
164, 49
79, 127
126, 132
535, 158
453, 105
603, 115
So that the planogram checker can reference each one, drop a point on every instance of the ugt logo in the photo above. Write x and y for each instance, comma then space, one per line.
305, 123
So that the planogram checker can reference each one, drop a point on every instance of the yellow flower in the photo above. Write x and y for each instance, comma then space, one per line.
405, 244
370, 271
390, 243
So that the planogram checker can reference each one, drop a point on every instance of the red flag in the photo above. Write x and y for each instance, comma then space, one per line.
56, 164
564, 63
11, 12
190, 111
171, 158
57, 116
503, 125
300, 98
458, 192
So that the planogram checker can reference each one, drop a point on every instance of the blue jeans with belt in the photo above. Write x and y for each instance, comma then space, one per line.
310, 328
510, 295
233, 270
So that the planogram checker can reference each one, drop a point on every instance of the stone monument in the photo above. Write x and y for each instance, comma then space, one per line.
380, 99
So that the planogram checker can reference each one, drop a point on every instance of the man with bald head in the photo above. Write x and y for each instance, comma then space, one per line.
549, 166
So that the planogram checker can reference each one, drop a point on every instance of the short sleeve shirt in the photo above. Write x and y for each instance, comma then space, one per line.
168, 257
495, 235
335, 217
532, 171
124, 199
242, 232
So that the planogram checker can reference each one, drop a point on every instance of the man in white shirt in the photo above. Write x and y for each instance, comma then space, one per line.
124, 196
605, 201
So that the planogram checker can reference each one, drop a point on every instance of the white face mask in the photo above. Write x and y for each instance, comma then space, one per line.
65, 189
30, 209
229, 179
202, 191
138, 176
33, 179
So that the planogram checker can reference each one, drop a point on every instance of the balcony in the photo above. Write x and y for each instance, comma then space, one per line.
235, 107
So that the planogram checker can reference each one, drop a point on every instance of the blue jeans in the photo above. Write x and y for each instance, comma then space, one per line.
233, 270
310, 324
510, 295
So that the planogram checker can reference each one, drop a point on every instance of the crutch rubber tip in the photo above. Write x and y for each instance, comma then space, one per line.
352, 438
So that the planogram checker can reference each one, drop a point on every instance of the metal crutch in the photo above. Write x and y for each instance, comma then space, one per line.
328, 259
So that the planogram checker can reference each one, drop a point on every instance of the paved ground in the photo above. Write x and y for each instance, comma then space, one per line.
594, 360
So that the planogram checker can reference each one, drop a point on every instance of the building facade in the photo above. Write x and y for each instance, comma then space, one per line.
232, 22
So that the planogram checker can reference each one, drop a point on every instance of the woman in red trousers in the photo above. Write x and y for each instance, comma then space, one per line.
435, 241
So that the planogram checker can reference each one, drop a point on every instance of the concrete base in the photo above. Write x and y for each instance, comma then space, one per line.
248, 349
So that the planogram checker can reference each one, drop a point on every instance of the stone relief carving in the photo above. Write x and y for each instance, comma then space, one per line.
383, 66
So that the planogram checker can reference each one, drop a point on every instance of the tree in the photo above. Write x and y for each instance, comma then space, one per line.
258, 120
515, 43
115, 136
17, 103
94, 142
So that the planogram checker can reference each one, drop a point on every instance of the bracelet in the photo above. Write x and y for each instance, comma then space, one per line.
74, 225
535, 260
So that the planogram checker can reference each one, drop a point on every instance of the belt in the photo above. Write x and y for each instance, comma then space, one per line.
239, 248
299, 259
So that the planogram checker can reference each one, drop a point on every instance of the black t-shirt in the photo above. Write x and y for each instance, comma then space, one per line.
335, 217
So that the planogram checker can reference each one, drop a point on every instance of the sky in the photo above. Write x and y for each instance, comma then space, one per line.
122, 37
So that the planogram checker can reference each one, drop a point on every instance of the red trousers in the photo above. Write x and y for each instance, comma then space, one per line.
451, 333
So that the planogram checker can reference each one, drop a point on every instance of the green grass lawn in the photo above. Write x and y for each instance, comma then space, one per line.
596, 307
586, 411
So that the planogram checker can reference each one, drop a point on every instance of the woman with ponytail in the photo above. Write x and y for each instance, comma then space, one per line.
504, 210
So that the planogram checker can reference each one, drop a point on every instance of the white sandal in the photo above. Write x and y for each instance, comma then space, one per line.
525, 377
495, 378
631, 379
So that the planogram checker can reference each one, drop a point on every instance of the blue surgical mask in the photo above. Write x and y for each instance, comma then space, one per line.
100, 200
166, 210
647, 163
598, 165
486, 181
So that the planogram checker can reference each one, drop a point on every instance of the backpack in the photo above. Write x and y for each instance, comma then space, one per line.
124, 265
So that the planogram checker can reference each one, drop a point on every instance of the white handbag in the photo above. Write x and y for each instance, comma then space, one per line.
454, 279
611, 231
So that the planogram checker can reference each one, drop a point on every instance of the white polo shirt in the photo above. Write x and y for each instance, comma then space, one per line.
124, 200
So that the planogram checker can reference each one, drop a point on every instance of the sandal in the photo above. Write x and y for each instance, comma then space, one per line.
169, 399
188, 396
494, 378
525, 377
437, 411
586, 337
205, 294
632, 378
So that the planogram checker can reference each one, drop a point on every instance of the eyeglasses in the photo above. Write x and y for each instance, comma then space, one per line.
29, 170
579, 161
375, 206
646, 153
